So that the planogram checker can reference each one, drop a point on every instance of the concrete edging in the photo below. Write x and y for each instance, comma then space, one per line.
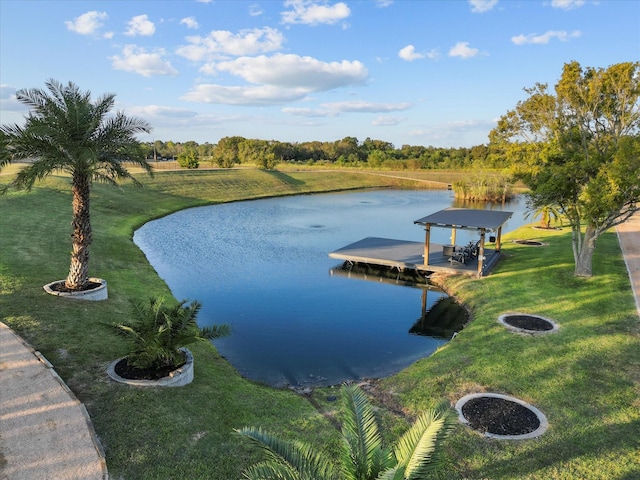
96, 294
544, 424
178, 378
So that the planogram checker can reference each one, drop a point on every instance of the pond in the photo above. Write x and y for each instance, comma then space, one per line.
262, 267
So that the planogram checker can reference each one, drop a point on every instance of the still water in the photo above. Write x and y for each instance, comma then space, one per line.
262, 267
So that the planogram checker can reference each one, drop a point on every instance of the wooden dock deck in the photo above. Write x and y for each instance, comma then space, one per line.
403, 254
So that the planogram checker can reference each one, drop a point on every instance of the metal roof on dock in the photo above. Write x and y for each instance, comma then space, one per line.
467, 218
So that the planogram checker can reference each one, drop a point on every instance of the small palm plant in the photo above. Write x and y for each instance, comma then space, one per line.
158, 331
547, 214
417, 454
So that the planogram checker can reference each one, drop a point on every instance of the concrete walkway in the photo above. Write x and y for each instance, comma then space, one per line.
45, 432
629, 237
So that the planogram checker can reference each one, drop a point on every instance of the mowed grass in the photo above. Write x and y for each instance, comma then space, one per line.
586, 378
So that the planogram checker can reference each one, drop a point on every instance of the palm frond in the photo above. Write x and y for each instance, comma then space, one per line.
362, 454
419, 450
284, 456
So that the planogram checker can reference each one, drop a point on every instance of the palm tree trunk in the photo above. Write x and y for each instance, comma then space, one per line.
78, 278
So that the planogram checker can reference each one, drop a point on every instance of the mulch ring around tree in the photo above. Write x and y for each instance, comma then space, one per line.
130, 372
501, 417
527, 323
530, 243
61, 287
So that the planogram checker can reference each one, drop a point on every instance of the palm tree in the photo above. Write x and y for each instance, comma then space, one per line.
547, 214
158, 331
66, 132
416, 455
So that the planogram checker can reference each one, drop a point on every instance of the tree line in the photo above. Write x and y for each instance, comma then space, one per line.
349, 151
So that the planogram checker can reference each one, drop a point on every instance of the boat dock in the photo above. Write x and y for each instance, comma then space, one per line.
407, 255
426, 257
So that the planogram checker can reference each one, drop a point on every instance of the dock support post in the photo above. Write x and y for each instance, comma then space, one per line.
427, 239
498, 237
481, 253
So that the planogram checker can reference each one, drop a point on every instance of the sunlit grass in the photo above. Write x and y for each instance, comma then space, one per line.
586, 378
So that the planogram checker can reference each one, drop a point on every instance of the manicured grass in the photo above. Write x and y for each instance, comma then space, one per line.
586, 378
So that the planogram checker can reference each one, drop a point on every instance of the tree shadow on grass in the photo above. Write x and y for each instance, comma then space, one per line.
284, 178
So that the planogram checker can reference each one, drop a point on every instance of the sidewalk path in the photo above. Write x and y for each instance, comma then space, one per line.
629, 238
45, 432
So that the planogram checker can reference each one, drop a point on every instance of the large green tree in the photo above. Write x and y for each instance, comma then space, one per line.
579, 149
416, 455
66, 132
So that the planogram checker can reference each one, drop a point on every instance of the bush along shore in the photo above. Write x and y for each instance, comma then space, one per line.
584, 378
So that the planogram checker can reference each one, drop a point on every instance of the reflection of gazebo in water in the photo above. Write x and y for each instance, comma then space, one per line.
429, 257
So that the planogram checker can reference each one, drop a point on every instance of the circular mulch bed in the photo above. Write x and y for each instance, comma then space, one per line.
61, 287
531, 243
526, 323
130, 372
501, 417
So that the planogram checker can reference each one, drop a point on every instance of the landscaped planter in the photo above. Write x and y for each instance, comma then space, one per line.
501, 417
177, 378
99, 292
527, 323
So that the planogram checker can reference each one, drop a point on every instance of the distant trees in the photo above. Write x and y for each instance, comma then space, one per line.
578, 149
189, 158
348, 151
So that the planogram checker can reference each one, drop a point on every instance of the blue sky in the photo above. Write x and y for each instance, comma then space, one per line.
433, 72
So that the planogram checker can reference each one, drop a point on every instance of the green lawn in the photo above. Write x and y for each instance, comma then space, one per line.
585, 378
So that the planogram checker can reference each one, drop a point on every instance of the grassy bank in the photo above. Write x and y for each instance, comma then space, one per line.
585, 378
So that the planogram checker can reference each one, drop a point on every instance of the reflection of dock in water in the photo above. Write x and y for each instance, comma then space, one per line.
442, 320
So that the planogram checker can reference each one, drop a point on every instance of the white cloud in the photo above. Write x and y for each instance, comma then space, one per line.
244, 96
567, 4
189, 22
386, 121
140, 25
8, 100
383, 3
462, 50
409, 53
361, 106
307, 112
87, 23
161, 111
221, 43
255, 10
481, 6
314, 13
293, 71
137, 60
545, 37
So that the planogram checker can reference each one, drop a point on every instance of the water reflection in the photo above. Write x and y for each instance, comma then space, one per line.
263, 267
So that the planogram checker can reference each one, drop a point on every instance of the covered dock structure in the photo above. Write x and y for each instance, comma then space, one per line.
427, 258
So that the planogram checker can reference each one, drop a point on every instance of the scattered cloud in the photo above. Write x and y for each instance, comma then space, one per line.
387, 121
409, 53
190, 22
9, 101
255, 10
88, 23
463, 50
222, 43
294, 71
567, 4
138, 60
361, 106
545, 37
140, 26
243, 96
383, 3
161, 111
309, 12
481, 6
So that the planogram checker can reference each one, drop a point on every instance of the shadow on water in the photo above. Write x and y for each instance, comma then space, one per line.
442, 320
